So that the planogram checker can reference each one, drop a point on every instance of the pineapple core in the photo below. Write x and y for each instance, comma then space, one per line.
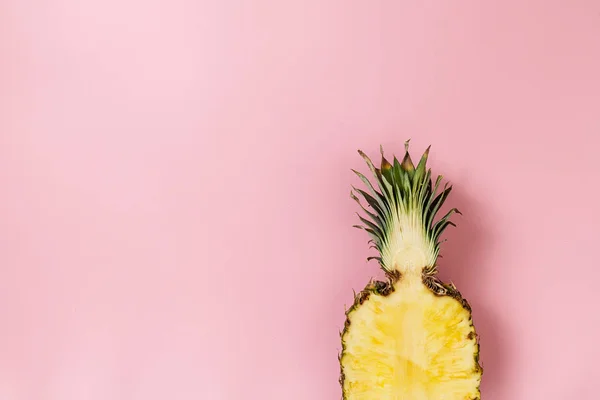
410, 345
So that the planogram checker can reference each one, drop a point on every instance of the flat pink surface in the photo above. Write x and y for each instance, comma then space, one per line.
175, 219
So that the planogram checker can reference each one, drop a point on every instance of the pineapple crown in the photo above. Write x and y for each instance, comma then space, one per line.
400, 213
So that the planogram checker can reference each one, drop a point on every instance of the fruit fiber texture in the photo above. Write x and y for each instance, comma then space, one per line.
411, 337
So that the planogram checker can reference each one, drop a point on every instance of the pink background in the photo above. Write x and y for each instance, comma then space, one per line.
175, 176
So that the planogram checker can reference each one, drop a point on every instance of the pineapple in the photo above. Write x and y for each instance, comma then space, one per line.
411, 337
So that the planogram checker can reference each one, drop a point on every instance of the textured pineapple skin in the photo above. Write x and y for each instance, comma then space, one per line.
410, 340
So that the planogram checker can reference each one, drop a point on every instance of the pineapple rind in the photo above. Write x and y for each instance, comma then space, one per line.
403, 205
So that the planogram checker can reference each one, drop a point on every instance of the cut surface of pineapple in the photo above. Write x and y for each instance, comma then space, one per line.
410, 345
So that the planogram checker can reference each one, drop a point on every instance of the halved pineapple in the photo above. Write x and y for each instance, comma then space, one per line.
412, 337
